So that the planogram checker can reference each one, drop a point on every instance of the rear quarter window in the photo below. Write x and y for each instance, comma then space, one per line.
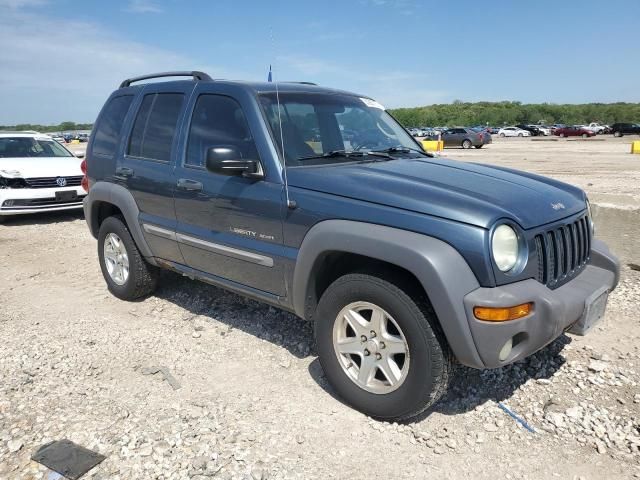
109, 126
155, 126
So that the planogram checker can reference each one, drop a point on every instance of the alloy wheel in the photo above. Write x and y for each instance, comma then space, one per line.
116, 259
370, 347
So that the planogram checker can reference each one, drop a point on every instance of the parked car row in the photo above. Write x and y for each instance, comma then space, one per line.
530, 130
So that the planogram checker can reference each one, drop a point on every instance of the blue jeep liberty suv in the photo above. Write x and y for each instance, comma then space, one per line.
318, 202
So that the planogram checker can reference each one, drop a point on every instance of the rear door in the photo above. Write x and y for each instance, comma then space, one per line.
449, 137
228, 226
146, 168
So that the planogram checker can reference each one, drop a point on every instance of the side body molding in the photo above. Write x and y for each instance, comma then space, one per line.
120, 197
441, 270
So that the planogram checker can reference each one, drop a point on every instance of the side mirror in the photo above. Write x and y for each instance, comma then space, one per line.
79, 154
228, 161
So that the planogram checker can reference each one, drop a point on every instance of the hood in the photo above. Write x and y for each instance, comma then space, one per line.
30, 167
470, 193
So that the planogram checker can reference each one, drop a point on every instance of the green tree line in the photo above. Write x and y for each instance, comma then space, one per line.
61, 127
510, 113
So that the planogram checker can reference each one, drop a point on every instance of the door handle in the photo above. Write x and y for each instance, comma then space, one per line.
124, 172
189, 185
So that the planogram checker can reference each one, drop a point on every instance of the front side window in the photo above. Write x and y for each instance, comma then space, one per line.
317, 124
30, 147
109, 126
218, 121
155, 126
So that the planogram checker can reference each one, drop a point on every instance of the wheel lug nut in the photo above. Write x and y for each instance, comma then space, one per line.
366, 352
382, 345
378, 356
363, 338
373, 334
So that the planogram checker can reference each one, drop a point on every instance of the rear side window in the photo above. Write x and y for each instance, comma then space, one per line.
109, 126
155, 126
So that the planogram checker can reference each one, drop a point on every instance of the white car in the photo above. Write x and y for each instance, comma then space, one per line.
597, 128
37, 174
543, 130
513, 132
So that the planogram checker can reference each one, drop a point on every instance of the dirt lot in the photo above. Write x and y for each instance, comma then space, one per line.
253, 402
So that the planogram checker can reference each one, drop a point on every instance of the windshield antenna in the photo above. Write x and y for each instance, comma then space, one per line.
290, 203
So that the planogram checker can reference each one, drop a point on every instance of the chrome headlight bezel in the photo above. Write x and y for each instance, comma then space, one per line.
592, 225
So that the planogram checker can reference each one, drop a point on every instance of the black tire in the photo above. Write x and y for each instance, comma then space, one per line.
521, 134
479, 146
617, 134
467, 144
143, 277
430, 364
584, 135
501, 135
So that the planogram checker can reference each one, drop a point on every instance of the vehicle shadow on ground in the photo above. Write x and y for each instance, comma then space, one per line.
237, 312
43, 218
471, 388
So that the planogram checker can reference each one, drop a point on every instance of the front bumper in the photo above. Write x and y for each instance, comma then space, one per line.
555, 311
17, 201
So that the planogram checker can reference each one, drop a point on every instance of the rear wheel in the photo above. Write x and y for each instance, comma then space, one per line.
466, 144
501, 135
380, 349
479, 146
126, 272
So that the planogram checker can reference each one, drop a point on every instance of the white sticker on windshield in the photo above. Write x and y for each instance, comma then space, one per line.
372, 103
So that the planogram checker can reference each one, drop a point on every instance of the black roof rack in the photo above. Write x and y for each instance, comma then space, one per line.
303, 83
195, 74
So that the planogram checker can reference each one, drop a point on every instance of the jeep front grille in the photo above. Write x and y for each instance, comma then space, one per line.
563, 252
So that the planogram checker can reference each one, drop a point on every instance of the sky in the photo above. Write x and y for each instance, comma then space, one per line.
60, 59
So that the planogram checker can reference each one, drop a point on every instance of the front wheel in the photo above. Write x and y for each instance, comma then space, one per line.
380, 348
562, 135
520, 134
617, 134
126, 272
584, 135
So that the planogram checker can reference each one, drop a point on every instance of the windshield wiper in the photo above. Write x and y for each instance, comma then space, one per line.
402, 149
346, 153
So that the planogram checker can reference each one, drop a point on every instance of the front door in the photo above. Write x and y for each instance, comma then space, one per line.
147, 165
228, 226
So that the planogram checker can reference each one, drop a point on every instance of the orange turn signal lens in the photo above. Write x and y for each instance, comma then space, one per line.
503, 314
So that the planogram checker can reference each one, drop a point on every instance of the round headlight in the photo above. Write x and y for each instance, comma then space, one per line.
504, 247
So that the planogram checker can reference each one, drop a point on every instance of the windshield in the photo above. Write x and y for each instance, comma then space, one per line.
21, 147
321, 128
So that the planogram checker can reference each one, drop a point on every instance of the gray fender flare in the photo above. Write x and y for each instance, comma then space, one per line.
120, 197
441, 270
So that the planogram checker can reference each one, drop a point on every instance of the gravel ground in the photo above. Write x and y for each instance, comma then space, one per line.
252, 402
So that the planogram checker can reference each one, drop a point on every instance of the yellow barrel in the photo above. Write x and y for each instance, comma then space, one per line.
635, 146
433, 145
